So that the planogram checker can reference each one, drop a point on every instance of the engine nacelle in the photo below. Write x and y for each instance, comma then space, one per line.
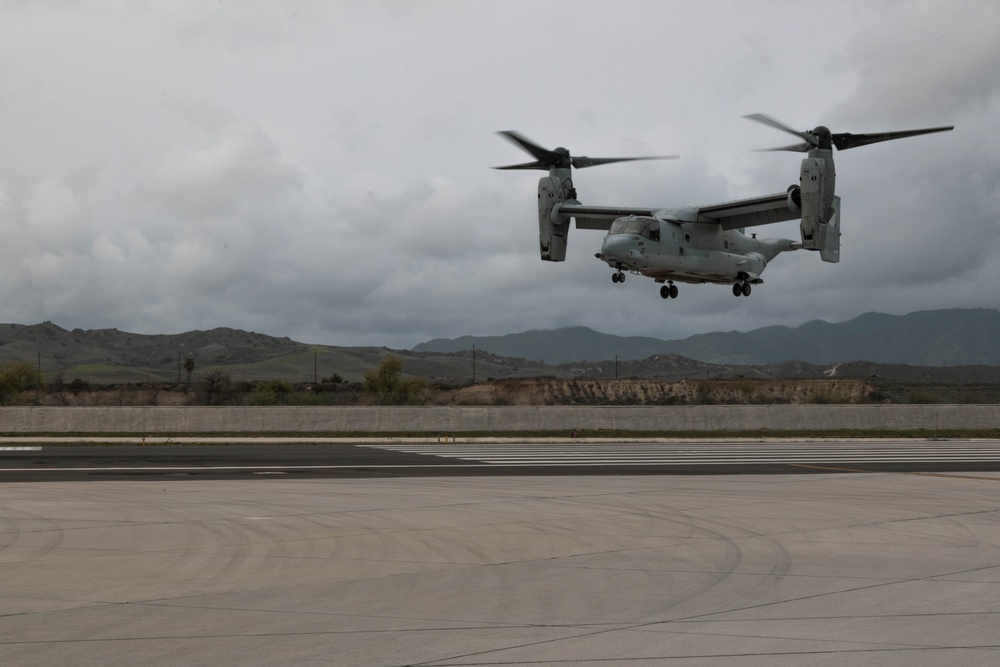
552, 229
816, 187
794, 198
831, 251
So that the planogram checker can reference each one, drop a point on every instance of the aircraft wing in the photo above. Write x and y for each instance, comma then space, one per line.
599, 217
751, 212
737, 214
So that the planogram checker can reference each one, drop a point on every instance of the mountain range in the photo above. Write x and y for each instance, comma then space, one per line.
110, 356
956, 337
904, 347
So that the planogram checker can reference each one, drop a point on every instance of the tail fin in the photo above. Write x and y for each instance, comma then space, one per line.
831, 250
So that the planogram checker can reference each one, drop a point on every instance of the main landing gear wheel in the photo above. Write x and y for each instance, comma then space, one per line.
668, 292
741, 289
618, 277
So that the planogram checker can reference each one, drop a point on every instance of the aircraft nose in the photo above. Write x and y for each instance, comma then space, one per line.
618, 246
612, 245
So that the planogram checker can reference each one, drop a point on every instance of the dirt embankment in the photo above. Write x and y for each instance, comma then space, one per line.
517, 391
551, 391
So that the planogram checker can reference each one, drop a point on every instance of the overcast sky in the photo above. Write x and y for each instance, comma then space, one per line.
321, 169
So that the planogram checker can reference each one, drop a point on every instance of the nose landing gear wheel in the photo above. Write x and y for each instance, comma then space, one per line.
618, 277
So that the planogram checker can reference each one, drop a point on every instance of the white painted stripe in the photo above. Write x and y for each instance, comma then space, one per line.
521, 464
688, 454
654, 462
605, 456
20, 449
688, 448
714, 454
734, 452
237, 468
672, 452
534, 464
684, 445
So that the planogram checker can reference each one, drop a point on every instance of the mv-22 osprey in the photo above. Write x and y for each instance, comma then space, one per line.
699, 244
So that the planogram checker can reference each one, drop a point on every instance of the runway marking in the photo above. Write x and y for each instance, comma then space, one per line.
236, 468
896, 472
20, 449
850, 457
587, 454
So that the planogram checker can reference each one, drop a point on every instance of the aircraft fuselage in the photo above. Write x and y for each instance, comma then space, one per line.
669, 251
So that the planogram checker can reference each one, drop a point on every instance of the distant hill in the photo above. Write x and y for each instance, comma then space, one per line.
118, 356
111, 346
556, 346
928, 338
932, 346
110, 356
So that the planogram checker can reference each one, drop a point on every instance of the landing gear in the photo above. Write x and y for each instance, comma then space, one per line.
741, 289
618, 277
668, 291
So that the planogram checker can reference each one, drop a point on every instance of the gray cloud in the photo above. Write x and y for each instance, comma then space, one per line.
321, 170
239, 170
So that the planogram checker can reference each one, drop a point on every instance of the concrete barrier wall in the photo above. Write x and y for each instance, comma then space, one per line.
446, 420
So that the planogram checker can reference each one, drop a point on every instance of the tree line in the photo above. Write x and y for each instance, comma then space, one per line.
22, 383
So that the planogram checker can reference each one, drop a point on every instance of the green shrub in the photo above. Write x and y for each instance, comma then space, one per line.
272, 392
16, 380
921, 397
387, 386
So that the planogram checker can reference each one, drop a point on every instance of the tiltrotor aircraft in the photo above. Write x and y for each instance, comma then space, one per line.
699, 244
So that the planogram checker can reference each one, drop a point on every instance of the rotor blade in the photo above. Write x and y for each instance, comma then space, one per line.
794, 148
526, 165
583, 161
540, 154
778, 125
845, 140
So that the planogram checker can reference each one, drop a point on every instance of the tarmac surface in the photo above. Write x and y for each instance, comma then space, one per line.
102, 459
560, 568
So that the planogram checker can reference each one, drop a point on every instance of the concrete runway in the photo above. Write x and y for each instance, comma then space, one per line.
882, 568
41, 459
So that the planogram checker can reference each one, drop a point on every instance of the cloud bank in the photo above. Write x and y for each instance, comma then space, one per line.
321, 170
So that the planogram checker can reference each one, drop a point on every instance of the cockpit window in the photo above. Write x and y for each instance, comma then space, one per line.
644, 227
618, 226
653, 231
636, 226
